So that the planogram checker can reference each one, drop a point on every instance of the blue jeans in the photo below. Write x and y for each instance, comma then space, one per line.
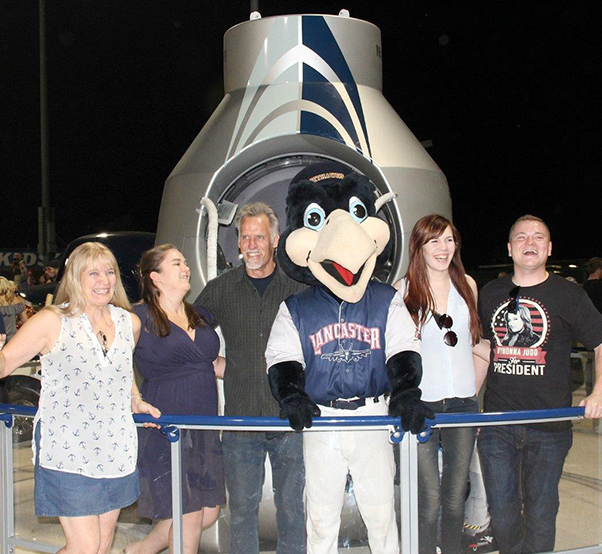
447, 491
244, 465
522, 467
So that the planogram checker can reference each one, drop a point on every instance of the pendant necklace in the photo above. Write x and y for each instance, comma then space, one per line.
102, 338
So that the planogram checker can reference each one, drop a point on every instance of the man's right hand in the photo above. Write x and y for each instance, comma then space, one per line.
300, 411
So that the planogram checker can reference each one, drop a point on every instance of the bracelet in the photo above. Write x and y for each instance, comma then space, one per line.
138, 394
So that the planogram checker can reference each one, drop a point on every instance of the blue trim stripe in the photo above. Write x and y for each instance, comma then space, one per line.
313, 124
318, 37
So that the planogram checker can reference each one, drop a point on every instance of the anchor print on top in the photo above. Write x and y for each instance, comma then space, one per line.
78, 387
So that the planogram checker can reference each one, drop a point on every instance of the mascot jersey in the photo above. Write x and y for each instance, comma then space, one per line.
342, 346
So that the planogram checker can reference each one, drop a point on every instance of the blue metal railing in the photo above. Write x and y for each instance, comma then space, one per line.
172, 423
273, 423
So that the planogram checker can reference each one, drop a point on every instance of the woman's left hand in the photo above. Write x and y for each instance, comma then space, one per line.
141, 406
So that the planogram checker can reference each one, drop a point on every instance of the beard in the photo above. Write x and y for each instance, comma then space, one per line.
255, 262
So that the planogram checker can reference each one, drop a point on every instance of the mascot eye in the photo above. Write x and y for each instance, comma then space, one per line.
357, 209
314, 217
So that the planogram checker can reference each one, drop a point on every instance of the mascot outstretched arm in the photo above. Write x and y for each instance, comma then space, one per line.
346, 346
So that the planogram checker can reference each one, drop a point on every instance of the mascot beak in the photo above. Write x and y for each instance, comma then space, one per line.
345, 253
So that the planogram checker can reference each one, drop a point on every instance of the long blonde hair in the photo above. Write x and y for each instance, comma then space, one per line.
70, 299
8, 291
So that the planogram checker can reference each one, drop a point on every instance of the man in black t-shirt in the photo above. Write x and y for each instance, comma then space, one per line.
522, 464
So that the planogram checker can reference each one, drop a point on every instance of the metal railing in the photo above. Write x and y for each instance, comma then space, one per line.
171, 425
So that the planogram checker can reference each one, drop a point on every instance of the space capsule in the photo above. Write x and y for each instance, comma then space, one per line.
298, 89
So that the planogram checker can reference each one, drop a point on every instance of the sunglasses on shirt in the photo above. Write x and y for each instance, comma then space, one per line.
514, 300
444, 321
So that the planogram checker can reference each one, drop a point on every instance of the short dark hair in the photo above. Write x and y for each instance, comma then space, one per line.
593, 265
56, 263
528, 217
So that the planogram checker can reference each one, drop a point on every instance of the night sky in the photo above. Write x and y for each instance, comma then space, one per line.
504, 89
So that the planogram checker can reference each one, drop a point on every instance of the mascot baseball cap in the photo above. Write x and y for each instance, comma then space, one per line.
328, 170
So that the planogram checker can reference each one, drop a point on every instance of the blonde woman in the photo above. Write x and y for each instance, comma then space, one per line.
85, 446
12, 308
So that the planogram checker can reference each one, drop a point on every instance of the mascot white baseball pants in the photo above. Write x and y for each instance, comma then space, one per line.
368, 456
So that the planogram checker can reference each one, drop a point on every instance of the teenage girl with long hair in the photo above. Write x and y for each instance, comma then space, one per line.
442, 301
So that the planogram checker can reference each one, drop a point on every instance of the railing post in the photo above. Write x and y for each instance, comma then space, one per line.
173, 435
408, 489
7, 515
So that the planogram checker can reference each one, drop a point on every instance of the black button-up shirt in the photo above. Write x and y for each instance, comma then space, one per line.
246, 319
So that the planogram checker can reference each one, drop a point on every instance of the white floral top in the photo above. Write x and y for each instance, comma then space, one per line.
85, 412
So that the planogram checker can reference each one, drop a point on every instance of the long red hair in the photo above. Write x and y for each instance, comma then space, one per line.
418, 296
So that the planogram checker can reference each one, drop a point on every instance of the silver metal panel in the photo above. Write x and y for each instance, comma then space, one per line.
256, 45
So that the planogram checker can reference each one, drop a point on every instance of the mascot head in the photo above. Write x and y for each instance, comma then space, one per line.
332, 237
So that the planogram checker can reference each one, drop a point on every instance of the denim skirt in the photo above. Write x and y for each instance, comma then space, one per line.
61, 494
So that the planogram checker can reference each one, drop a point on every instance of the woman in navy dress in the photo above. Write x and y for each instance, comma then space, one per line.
177, 355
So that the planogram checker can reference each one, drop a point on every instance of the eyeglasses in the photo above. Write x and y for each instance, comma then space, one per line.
102, 338
444, 321
514, 300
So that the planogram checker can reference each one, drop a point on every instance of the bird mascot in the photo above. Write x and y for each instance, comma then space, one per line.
345, 346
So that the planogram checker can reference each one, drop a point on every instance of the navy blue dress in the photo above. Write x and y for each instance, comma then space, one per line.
179, 379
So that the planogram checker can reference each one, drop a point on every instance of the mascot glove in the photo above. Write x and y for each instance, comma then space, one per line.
299, 410
412, 410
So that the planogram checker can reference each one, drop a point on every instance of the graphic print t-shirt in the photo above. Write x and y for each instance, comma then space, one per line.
530, 367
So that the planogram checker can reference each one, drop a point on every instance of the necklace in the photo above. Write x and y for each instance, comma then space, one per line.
102, 338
